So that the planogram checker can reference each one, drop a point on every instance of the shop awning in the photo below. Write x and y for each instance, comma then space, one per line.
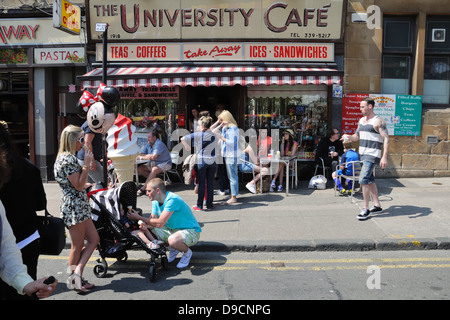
212, 76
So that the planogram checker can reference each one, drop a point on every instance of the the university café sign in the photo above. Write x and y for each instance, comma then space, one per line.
298, 30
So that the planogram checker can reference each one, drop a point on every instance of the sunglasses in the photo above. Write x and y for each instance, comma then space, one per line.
81, 140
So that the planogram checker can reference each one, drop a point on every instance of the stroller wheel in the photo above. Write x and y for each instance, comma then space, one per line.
164, 263
101, 268
152, 272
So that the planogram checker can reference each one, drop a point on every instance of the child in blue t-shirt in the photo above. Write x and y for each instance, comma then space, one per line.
349, 155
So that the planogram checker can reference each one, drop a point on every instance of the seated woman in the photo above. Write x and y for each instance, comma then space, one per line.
288, 147
249, 162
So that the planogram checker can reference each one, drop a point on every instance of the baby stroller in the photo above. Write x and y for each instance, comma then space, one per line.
115, 239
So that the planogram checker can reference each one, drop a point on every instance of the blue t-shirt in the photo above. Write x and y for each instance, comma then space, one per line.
160, 149
96, 143
182, 216
349, 155
230, 146
205, 146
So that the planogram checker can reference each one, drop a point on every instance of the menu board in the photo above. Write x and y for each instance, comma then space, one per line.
408, 115
402, 113
350, 112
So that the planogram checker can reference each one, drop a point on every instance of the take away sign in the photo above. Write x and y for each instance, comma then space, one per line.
66, 16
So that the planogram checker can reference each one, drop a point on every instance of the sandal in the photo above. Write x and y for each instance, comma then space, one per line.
140, 192
86, 284
74, 282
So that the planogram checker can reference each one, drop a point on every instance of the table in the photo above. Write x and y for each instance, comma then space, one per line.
138, 162
286, 161
297, 160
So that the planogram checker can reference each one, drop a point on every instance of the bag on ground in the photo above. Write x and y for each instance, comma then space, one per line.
318, 182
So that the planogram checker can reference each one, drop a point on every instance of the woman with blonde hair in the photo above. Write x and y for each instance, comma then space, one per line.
230, 149
74, 205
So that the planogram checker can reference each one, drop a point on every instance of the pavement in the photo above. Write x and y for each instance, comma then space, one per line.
416, 216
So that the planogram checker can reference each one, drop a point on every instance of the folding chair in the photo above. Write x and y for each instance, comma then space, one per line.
354, 177
324, 168
175, 159
242, 161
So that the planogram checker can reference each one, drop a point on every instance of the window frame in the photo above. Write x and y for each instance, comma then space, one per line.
409, 52
436, 52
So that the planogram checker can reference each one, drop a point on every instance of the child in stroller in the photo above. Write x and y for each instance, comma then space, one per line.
115, 238
139, 229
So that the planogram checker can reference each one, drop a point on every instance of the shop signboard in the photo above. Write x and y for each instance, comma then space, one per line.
402, 113
138, 92
218, 51
35, 31
66, 16
51, 56
319, 20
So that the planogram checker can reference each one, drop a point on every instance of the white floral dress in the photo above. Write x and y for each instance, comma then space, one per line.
74, 204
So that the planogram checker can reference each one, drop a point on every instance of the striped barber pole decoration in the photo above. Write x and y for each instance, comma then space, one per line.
211, 76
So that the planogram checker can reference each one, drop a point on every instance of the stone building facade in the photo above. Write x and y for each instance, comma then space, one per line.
426, 155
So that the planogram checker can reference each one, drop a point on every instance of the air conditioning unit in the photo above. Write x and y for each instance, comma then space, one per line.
438, 35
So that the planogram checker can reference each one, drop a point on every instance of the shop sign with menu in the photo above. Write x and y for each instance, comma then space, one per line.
402, 113
319, 20
217, 51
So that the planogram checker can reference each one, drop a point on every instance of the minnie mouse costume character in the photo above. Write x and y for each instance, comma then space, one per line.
100, 116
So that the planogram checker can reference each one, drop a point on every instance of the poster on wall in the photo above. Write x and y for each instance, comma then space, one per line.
402, 113
350, 112
408, 115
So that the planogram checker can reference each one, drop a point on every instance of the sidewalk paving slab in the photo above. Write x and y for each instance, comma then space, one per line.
415, 216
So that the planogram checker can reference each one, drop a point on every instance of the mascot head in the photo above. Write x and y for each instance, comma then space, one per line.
100, 116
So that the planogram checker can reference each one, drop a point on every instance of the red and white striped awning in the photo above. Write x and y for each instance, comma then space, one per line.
211, 76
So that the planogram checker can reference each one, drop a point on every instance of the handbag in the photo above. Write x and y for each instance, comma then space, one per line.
318, 182
52, 234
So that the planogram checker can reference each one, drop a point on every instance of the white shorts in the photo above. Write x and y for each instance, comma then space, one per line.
163, 166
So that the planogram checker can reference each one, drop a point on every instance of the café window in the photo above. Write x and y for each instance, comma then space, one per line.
397, 54
300, 108
148, 108
436, 83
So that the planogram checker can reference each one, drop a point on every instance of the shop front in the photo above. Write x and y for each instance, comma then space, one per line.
38, 65
272, 64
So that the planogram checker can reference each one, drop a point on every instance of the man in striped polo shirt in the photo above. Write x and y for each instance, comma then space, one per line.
373, 139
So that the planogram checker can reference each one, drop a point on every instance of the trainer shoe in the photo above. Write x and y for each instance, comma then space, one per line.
280, 187
342, 192
172, 254
376, 209
364, 214
251, 187
185, 258
272, 185
222, 193
197, 208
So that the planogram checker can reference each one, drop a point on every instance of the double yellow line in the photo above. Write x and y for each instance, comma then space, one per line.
295, 264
